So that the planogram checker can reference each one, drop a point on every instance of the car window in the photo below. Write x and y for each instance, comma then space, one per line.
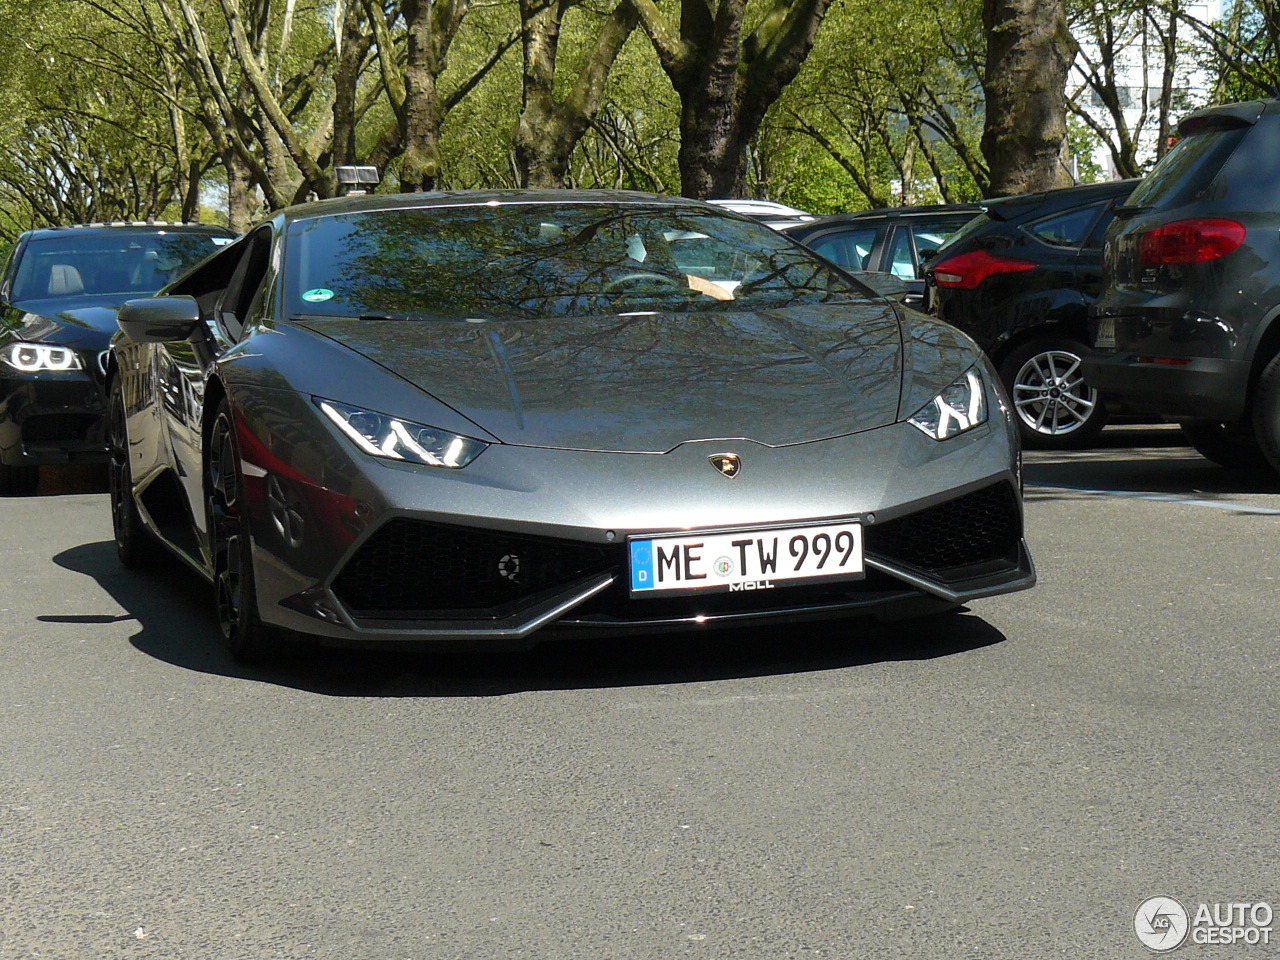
1067, 229
1188, 168
902, 261
523, 261
931, 235
127, 262
850, 249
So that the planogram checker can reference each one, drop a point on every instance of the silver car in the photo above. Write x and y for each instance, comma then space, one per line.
478, 420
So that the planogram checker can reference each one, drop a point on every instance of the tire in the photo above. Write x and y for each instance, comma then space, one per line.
247, 638
135, 546
1052, 405
1266, 414
18, 481
1230, 445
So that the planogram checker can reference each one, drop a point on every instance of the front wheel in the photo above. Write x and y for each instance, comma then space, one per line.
1053, 406
248, 639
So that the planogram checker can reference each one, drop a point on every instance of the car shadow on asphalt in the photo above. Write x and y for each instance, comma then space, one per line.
1138, 461
173, 610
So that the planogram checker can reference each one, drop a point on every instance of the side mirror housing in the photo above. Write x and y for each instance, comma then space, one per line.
159, 319
885, 285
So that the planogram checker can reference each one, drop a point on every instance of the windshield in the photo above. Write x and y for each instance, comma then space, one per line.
521, 261
135, 263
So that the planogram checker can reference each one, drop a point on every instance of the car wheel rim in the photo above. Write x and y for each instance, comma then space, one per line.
1050, 395
224, 529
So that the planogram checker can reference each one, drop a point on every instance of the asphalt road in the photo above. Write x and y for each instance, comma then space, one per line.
1009, 783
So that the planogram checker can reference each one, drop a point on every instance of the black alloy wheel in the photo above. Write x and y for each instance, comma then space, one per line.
1052, 405
135, 546
247, 638
18, 481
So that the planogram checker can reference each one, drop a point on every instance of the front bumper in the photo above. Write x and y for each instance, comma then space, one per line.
49, 418
942, 526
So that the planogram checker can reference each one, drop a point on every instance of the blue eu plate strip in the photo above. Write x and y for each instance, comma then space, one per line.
641, 564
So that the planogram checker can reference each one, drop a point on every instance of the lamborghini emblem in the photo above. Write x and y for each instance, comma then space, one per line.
727, 463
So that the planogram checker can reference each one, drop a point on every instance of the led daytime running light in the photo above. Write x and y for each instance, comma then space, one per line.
380, 435
37, 357
957, 409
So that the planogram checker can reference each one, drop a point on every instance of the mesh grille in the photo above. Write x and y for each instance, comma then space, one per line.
420, 570
978, 527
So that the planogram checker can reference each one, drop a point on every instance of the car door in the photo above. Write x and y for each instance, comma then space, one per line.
183, 367
906, 250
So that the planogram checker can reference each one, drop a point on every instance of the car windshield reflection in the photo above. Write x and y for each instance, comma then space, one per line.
518, 262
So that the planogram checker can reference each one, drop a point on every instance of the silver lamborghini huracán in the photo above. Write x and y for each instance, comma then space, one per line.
475, 420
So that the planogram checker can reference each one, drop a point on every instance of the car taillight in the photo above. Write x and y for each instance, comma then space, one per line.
966, 270
1189, 241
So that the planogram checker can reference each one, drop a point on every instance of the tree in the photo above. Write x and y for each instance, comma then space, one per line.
549, 127
727, 78
1029, 51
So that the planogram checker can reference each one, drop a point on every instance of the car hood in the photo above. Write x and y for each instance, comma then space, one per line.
83, 322
647, 383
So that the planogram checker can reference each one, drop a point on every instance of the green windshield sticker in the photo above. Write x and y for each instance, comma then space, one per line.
318, 295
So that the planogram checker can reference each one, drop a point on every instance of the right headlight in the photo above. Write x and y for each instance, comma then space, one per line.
391, 438
39, 357
960, 407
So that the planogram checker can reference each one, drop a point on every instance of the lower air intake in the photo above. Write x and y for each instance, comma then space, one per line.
413, 569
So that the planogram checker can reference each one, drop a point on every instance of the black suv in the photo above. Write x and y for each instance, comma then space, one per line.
1019, 279
895, 240
1186, 328
59, 291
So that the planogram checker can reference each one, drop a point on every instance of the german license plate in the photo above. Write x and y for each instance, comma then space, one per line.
745, 560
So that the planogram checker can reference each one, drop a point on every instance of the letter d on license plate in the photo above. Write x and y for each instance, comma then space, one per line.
746, 560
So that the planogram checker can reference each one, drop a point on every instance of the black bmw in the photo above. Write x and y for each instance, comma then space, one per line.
59, 291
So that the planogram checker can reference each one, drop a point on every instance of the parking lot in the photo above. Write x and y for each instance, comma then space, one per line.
1011, 782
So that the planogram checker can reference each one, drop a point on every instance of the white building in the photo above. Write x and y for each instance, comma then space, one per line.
1139, 70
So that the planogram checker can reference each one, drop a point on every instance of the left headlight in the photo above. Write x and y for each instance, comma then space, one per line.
37, 357
380, 435
960, 407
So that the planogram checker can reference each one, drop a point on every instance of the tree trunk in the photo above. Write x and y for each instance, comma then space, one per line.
549, 130
1029, 51
239, 193
727, 82
420, 167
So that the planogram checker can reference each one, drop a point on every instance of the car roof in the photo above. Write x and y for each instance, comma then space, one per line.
454, 198
1047, 201
136, 226
886, 213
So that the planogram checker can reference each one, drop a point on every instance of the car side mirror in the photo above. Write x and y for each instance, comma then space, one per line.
159, 319
885, 285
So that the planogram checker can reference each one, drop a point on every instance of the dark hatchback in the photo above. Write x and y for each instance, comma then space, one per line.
897, 240
59, 291
1019, 279
1187, 326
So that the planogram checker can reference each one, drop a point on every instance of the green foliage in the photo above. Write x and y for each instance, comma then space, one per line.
888, 107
